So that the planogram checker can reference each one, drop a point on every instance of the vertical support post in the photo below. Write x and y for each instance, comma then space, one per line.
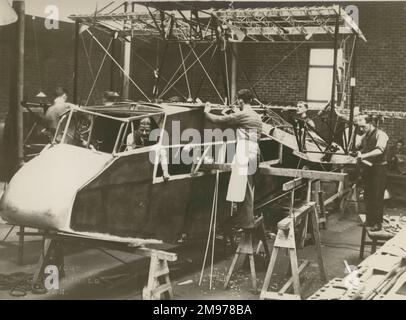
316, 235
333, 89
234, 71
352, 100
280, 153
160, 64
20, 9
112, 64
76, 63
224, 63
21, 246
17, 86
126, 66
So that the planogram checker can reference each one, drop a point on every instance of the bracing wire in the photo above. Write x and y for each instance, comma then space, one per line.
206, 73
245, 74
153, 69
118, 7
119, 66
98, 73
104, 8
279, 63
87, 54
209, 68
185, 72
180, 77
175, 74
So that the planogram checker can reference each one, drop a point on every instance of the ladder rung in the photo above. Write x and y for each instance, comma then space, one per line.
161, 289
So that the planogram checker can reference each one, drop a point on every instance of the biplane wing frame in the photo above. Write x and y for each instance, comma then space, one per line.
222, 26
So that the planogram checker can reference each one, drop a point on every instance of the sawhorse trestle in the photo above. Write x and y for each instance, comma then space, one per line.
285, 239
246, 248
158, 285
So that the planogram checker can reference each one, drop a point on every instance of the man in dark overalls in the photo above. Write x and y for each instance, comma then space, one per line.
373, 152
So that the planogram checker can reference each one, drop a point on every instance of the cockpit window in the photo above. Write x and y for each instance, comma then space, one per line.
140, 133
107, 134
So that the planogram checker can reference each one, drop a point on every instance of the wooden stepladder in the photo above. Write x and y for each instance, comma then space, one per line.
286, 239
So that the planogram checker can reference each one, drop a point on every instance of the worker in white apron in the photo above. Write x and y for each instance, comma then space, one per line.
248, 126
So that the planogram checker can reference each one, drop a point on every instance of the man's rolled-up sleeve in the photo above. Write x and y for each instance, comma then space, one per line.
228, 120
382, 141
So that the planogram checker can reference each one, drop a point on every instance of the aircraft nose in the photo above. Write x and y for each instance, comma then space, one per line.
42, 192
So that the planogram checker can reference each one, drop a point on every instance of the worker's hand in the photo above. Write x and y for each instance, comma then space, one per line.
360, 156
207, 107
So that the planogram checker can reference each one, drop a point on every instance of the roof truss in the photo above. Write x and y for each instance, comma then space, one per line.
249, 24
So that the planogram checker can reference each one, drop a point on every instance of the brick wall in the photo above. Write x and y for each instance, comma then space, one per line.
49, 62
381, 63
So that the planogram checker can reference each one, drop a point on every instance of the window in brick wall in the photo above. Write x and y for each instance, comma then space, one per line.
320, 76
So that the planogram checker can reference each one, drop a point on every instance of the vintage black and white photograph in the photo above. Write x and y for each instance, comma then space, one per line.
202, 150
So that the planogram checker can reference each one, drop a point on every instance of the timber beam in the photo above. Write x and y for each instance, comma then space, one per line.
298, 214
265, 169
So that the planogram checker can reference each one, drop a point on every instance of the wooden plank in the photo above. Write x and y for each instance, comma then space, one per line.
292, 184
275, 31
147, 252
268, 275
287, 285
265, 169
316, 234
307, 174
284, 224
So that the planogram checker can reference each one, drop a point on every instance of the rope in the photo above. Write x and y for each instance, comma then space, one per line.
119, 66
18, 284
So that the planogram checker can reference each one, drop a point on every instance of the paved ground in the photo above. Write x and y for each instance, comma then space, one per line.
92, 274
